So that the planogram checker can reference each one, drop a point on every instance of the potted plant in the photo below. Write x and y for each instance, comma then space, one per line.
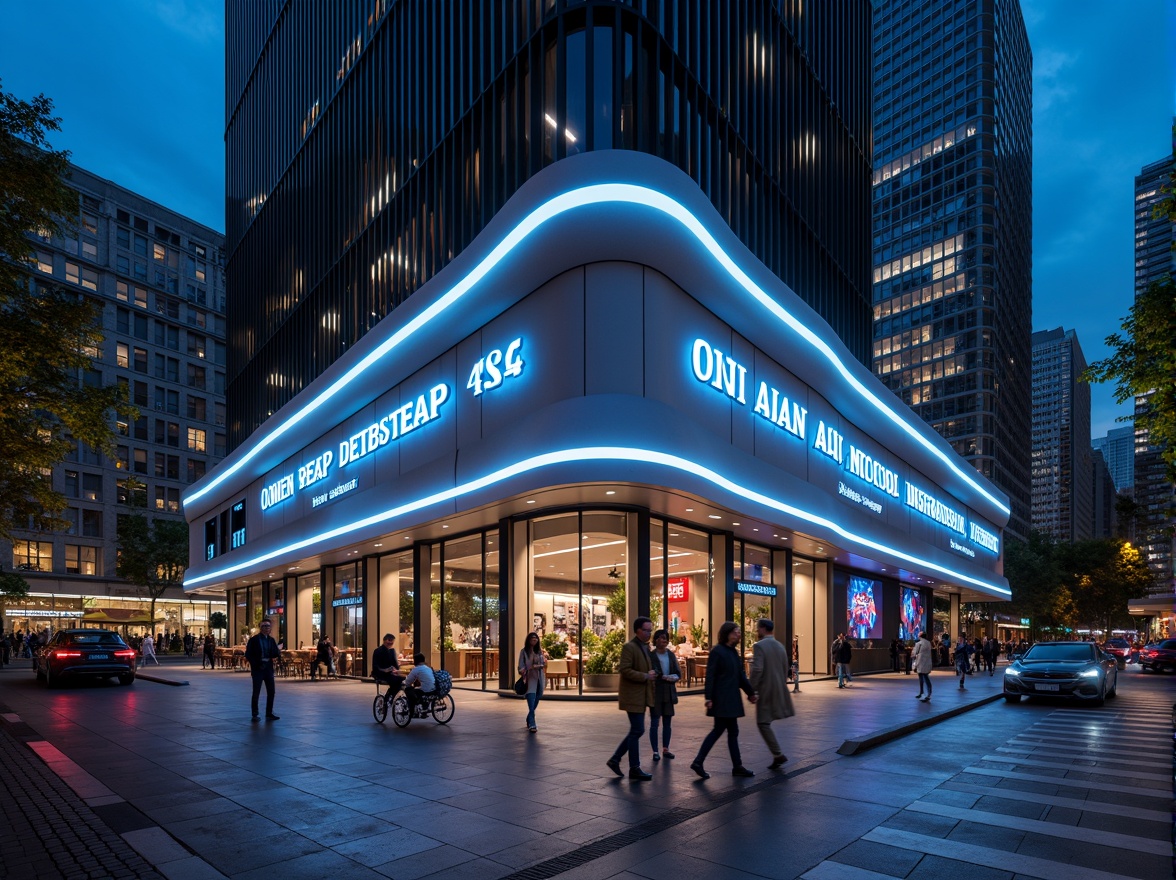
600, 670
555, 647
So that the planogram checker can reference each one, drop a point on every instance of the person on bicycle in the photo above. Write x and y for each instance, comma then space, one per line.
385, 665
420, 681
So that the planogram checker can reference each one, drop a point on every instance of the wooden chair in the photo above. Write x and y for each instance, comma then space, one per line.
557, 672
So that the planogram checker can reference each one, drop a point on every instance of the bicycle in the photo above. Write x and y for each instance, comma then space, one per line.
439, 703
383, 701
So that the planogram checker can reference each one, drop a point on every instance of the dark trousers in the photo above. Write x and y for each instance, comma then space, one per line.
925, 683
731, 726
208, 660
396, 682
632, 742
261, 674
666, 725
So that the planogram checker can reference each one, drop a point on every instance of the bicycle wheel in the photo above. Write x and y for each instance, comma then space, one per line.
380, 709
401, 714
443, 709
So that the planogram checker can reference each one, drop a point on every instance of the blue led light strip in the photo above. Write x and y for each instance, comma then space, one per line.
592, 454
595, 194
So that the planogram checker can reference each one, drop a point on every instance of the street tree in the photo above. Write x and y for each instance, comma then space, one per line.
152, 554
51, 333
1036, 581
1105, 575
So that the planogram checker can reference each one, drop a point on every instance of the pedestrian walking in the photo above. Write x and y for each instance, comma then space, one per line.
724, 680
921, 659
665, 694
769, 680
208, 659
990, 652
634, 696
843, 656
147, 648
963, 662
324, 654
531, 663
261, 652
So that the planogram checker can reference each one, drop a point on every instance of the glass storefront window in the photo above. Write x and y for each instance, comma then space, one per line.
310, 585
681, 576
752, 564
580, 601
347, 616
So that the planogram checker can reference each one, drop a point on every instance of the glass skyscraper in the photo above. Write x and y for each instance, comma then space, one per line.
368, 142
952, 215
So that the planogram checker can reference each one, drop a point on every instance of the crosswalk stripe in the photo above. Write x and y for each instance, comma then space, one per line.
1014, 863
1079, 768
1081, 754
1070, 783
1051, 829
1067, 742
1087, 806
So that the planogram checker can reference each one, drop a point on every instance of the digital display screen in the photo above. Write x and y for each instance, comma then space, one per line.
910, 618
863, 601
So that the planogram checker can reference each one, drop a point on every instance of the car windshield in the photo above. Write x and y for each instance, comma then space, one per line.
95, 638
1117, 643
1060, 652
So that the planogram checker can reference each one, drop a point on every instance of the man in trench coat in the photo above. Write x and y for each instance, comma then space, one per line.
769, 678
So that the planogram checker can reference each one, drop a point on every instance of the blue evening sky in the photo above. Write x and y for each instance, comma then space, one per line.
139, 85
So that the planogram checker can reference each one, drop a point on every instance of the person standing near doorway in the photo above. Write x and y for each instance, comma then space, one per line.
634, 696
724, 680
843, 654
769, 680
532, 661
261, 652
209, 657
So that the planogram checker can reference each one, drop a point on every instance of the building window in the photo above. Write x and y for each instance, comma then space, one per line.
131, 492
71, 484
89, 249
72, 273
196, 469
140, 461
32, 555
197, 408
140, 395
92, 523
89, 279
120, 287
196, 440
140, 362
92, 487
81, 560
196, 377
196, 345
72, 516
167, 499
45, 262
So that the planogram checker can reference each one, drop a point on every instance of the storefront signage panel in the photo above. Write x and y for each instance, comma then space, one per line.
389, 428
753, 589
678, 589
869, 481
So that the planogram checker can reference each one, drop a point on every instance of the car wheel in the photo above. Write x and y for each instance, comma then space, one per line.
1102, 697
37, 671
126, 680
1114, 691
1012, 698
51, 680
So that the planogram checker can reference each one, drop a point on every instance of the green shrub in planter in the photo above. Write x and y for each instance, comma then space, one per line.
607, 657
555, 647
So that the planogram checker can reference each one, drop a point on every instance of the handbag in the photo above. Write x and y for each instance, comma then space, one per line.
520, 686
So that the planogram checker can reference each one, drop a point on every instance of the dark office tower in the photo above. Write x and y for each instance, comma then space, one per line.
1154, 260
952, 227
1063, 472
368, 142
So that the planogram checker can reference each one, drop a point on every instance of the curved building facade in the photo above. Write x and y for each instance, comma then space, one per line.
606, 406
369, 143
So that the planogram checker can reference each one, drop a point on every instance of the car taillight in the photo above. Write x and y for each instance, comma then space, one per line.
128, 653
65, 654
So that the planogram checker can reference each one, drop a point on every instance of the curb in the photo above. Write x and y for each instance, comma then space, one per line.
865, 743
157, 680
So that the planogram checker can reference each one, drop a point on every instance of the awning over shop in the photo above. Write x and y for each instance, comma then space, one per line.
130, 616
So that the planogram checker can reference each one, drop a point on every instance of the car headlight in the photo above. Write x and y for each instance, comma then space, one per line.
1091, 673
1014, 673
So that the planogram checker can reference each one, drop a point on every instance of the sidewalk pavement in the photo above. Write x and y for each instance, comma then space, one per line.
179, 783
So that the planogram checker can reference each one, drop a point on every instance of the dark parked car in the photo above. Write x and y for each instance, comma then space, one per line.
1078, 670
1120, 649
1161, 657
85, 653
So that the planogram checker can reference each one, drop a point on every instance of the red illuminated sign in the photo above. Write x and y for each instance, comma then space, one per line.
678, 589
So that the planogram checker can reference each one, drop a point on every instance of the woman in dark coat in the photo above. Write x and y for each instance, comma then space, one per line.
724, 679
665, 693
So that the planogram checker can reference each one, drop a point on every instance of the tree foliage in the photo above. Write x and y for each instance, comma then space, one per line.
45, 408
152, 555
1067, 586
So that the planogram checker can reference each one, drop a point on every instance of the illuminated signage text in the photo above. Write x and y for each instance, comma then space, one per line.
754, 588
496, 367
932, 508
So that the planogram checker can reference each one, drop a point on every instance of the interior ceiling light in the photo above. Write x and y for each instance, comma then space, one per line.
532, 501
690, 510
610, 492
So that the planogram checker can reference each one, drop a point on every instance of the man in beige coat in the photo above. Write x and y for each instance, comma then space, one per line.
634, 696
769, 678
